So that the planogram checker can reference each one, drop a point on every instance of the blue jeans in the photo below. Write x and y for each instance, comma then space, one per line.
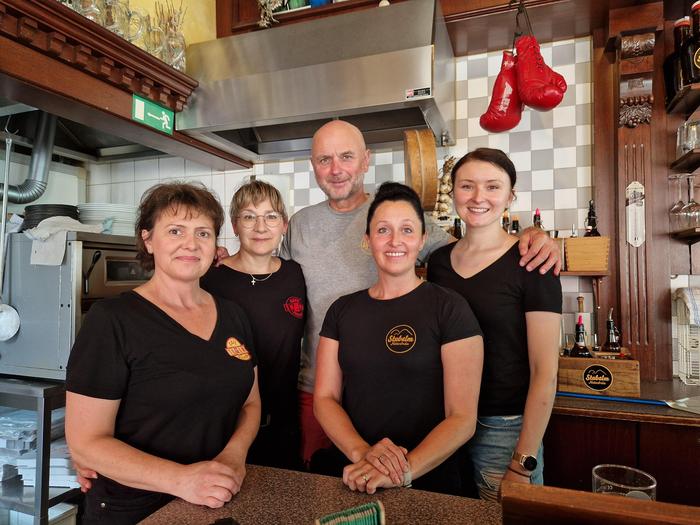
490, 452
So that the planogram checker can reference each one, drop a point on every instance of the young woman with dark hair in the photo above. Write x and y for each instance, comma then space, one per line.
519, 313
398, 364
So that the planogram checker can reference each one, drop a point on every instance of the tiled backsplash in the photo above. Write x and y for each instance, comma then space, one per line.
551, 151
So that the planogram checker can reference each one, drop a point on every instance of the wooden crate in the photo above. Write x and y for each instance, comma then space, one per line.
587, 254
604, 377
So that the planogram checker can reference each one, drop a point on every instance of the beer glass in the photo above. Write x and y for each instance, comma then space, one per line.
620, 480
674, 213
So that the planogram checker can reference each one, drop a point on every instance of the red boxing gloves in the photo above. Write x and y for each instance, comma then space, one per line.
539, 87
505, 108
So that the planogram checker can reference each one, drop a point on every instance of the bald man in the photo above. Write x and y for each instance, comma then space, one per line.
327, 240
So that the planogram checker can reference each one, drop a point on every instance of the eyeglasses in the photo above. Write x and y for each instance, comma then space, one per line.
271, 219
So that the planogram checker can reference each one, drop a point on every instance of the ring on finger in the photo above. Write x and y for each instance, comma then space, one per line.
381, 457
365, 478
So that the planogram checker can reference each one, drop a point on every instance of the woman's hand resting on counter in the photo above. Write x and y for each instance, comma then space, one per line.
209, 483
364, 477
389, 459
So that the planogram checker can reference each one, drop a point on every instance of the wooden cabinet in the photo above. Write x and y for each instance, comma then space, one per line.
573, 445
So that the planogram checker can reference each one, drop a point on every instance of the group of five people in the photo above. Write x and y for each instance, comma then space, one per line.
169, 384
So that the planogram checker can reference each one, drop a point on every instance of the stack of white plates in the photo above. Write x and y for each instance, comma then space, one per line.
123, 216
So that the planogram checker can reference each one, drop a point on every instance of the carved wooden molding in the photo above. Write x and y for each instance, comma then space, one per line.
638, 45
635, 111
51, 28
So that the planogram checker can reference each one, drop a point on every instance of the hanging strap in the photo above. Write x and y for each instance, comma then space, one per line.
522, 21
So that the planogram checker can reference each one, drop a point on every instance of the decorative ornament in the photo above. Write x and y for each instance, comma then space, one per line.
267, 9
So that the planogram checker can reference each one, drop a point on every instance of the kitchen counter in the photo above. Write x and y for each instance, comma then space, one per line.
605, 409
271, 495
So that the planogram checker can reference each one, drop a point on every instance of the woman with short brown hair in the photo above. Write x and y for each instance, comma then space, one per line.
162, 397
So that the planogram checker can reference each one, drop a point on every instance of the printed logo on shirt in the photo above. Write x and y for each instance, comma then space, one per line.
236, 349
401, 339
294, 307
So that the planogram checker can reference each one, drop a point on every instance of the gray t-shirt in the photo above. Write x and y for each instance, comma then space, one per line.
329, 246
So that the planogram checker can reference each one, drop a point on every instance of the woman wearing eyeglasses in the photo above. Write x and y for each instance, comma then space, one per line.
272, 292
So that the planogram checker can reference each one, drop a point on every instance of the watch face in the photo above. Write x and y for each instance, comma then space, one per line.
530, 463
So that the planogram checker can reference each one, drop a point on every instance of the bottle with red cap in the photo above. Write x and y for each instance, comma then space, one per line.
537, 220
580, 349
690, 50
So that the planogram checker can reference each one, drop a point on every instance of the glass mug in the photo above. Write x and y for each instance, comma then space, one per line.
620, 480
152, 38
90, 9
120, 19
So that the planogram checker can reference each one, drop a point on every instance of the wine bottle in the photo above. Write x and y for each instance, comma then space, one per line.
580, 349
690, 52
515, 225
505, 221
457, 228
591, 221
612, 341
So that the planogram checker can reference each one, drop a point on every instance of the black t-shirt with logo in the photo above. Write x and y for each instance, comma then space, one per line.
180, 395
390, 356
275, 308
500, 295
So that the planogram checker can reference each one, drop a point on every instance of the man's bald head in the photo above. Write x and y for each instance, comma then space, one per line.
340, 159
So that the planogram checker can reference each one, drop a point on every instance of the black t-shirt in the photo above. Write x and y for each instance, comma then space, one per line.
275, 308
390, 356
180, 395
499, 295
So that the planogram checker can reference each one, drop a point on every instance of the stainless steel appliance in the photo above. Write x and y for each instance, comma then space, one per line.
52, 300
263, 94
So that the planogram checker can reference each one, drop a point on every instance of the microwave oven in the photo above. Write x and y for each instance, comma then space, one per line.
52, 300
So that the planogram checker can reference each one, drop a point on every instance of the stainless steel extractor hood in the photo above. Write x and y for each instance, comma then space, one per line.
262, 95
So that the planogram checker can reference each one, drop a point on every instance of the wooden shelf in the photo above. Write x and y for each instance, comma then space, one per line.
688, 163
686, 101
586, 274
689, 236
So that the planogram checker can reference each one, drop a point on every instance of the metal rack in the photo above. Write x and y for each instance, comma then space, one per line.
43, 397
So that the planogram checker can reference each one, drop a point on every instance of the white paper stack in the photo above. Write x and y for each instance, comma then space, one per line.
61, 471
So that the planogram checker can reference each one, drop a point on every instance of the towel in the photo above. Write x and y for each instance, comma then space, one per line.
49, 236
691, 298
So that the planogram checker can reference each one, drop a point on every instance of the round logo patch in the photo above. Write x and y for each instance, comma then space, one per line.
401, 339
696, 58
294, 307
236, 349
597, 377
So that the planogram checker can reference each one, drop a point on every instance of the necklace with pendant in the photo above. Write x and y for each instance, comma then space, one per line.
256, 280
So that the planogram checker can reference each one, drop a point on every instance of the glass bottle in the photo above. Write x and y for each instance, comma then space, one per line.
674, 75
457, 228
505, 221
612, 342
515, 225
580, 349
690, 51
591, 221
537, 220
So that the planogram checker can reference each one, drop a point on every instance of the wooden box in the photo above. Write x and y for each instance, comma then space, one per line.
587, 254
603, 377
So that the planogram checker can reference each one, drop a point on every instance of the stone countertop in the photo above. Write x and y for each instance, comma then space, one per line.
659, 390
271, 495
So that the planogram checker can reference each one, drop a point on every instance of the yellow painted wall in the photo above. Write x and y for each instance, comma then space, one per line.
200, 18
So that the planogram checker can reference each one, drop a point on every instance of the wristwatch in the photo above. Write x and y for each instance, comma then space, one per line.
529, 463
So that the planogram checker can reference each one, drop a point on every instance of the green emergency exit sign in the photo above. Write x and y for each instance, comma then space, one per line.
152, 115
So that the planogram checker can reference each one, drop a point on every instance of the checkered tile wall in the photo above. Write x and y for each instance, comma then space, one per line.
551, 151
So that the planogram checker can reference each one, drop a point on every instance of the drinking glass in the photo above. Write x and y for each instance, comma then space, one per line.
174, 49
690, 213
90, 9
620, 480
152, 38
674, 212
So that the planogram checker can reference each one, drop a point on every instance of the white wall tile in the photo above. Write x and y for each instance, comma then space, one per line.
474, 129
499, 141
461, 69
287, 167
316, 195
140, 188
462, 109
171, 168
583, 50
192, 169
494, 62
583, 93
565, 157
542, 180
547, 219
522, 160
583, 177
123, 171
123, 193
525, 122
369, 177
302, 180
522, 202
584, 135
204, 178
477, 87
99, 173
218, 186
146, 169
565, 199
99, 193
384, 157
542, 139
568, 72
564, 116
